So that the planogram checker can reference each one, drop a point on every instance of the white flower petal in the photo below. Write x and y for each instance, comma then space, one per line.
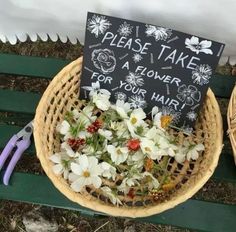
78, 184
64, 127
56, 158
96, 181
57, 169
83, 161
76, 168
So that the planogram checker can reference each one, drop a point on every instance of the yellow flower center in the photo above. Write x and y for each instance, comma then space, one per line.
118, 151
134, 120
165, 121
86, 174
147, 149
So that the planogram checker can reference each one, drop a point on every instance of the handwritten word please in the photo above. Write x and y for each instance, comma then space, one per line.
123, 42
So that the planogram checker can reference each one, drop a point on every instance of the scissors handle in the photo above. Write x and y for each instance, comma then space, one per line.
8, 148
21, 147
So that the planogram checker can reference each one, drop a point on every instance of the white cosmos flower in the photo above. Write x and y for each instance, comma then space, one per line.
65, 147
128, 182
153, 183
135, 120
64, 129
108, 170
194, 45
85, 172
85, 116
101, 101
118, 154
136, 117
88, 150
61, 164
113, 197
156, 117
120, 129
193, 151
105, 133
122, 108
149, 148
180, 155
136, 159
166, 146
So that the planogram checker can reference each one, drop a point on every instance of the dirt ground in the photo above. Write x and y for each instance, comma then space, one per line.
11, 213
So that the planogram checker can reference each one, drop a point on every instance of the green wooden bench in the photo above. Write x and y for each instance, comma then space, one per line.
31, 188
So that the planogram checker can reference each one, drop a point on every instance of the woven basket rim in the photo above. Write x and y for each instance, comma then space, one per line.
232, 132
97, 205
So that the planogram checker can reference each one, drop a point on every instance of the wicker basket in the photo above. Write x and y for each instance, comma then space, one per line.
231, 117
189, 177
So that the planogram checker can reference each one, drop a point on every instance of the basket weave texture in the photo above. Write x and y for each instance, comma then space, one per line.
188, 178
231, 118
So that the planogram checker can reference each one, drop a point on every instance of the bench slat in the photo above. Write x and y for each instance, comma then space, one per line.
20, 102
225, 170
7, 132
193, 214
31, 66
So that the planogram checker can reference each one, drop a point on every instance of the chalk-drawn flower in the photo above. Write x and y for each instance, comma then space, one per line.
169, 111
159, 33
97, 25
192, 116
137, 101
120, 96
188, 94
134, 79
201, 74
194, 45
137, 57
125, 29
104, 60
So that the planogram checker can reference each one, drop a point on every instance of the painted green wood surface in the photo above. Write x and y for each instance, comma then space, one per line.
30, 66
7, 131
48, 67
20, 102
194, 214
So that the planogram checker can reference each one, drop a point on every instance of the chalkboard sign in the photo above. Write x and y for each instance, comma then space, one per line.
149, 65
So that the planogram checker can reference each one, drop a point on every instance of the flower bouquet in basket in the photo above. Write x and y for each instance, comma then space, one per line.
120, 155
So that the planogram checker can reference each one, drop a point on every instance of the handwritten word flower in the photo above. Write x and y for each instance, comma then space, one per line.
104, 60
194, 45
97, 25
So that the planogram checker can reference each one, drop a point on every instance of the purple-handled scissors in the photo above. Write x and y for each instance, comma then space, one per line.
21, 141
